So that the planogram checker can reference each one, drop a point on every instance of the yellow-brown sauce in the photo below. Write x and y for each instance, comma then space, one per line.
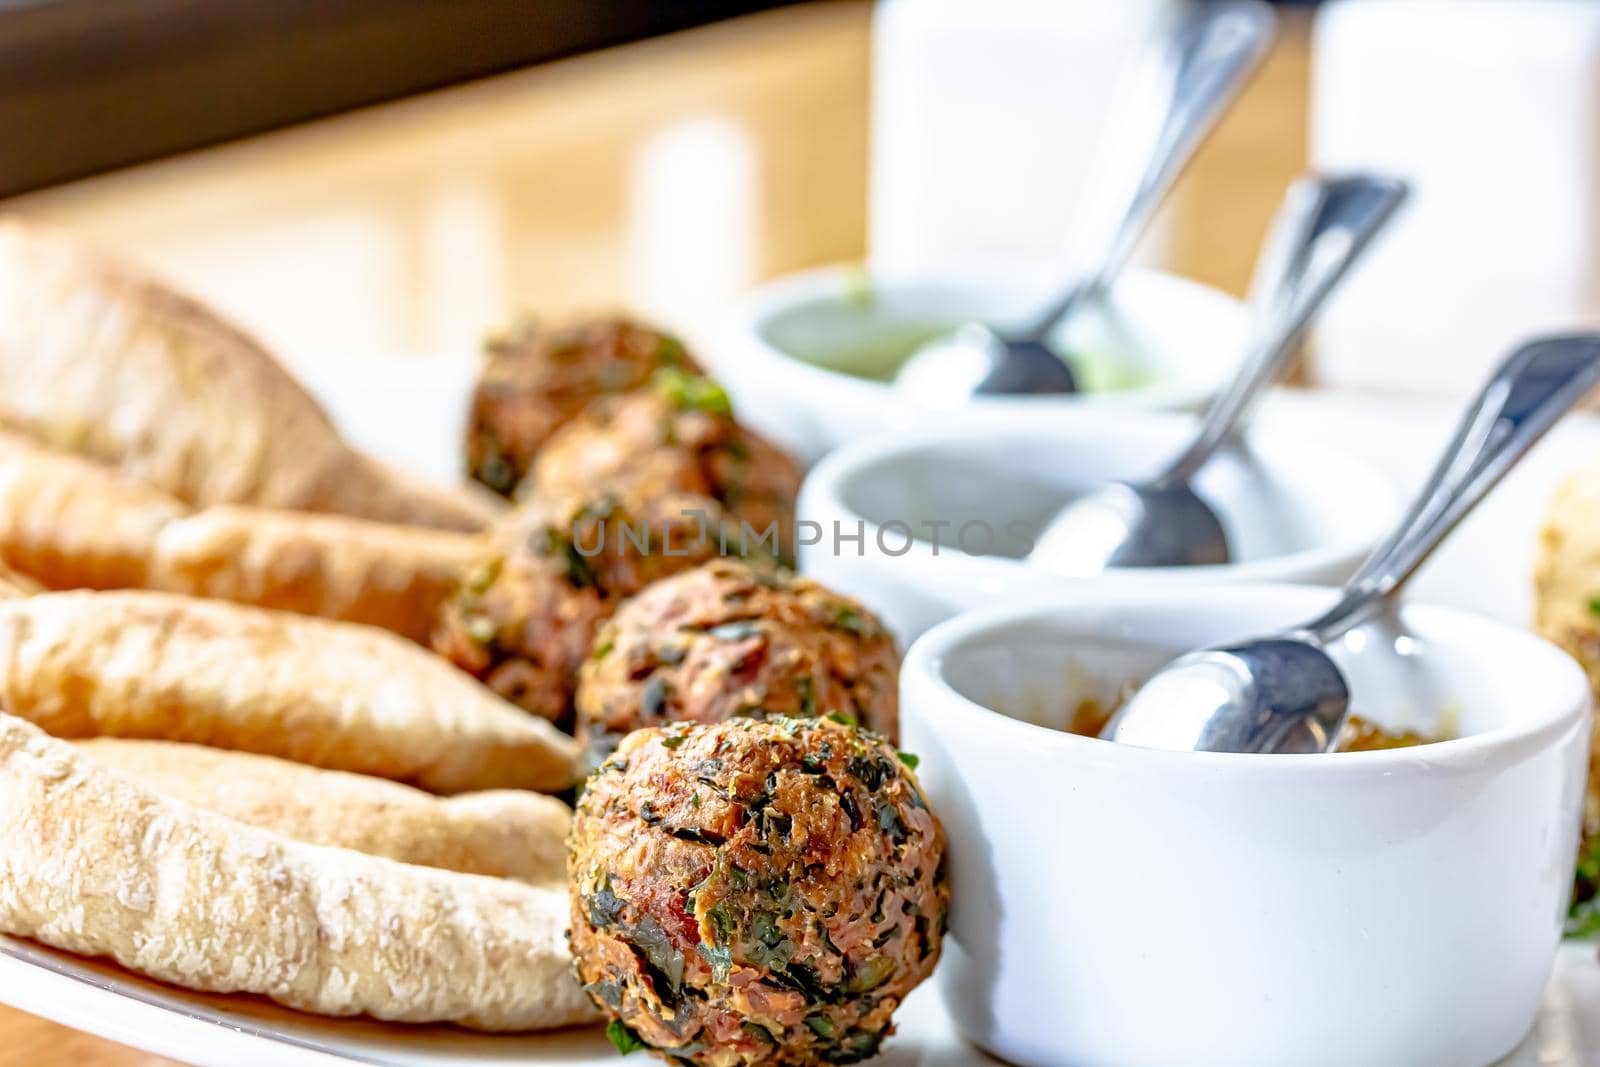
1089, 717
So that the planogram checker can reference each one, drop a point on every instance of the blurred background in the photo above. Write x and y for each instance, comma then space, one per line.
374, 178
361, 179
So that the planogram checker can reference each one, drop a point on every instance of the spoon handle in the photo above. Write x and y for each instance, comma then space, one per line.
1177, 97
1532, 389
1323, 227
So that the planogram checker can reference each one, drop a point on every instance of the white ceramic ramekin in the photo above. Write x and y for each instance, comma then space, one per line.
1124, 907
1186, 336
1296, 511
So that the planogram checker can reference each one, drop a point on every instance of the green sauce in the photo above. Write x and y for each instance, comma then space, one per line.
861, 335
879, 357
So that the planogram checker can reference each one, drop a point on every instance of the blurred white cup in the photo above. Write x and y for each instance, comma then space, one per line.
1491, 108
986, 118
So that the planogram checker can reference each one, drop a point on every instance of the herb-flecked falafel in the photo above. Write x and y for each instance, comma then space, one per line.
755, 891
534, 380
679, 434
524, 619
731, 638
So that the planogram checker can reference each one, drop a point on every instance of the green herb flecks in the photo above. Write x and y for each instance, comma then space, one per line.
735, 631
697, 835
889, 821
723, 923
760, 1033
604, 905
768, 947
816, 761
857, 1047
870, 975
663, 960
808, 697
624, 1038
910, 759
669, 351
1583, 917
553, 544
608, 993
482, 576
850, 621
804, 979
719, 957
869, 771
688, 392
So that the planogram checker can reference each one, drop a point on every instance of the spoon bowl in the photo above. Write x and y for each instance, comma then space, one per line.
974, 360
1272, 695
1126, 526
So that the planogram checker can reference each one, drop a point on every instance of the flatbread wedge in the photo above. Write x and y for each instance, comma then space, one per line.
108, 363
72, 524
502, 833
93, 863
158, 666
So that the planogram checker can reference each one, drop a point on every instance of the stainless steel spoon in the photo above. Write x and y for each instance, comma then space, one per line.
1322, 228
1283, 692
1174, 101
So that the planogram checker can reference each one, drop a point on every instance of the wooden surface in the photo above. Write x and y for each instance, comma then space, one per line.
664, 177
29, 1042
164, 76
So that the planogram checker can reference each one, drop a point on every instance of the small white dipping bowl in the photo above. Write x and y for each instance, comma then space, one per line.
783, 351
1295, 510
1123, 907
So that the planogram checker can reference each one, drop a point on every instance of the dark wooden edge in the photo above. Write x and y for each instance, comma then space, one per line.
91, 85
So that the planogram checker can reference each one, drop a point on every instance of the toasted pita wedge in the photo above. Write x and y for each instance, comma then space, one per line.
504, 833
105, 362
156, 666
76, 524
94, 863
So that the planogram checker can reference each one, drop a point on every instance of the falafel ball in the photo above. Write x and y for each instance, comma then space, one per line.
731, 638
678, 433
755, 891
525, 618
1566, 585
533, 381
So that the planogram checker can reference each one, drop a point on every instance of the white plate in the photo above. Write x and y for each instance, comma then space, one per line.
238, 1031
411, 413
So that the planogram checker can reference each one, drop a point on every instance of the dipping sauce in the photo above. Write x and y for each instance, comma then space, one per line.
870, 336
879, 358
1359, 734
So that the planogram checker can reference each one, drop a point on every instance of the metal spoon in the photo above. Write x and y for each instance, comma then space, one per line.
1176, 98
1322, 228
1282, 692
